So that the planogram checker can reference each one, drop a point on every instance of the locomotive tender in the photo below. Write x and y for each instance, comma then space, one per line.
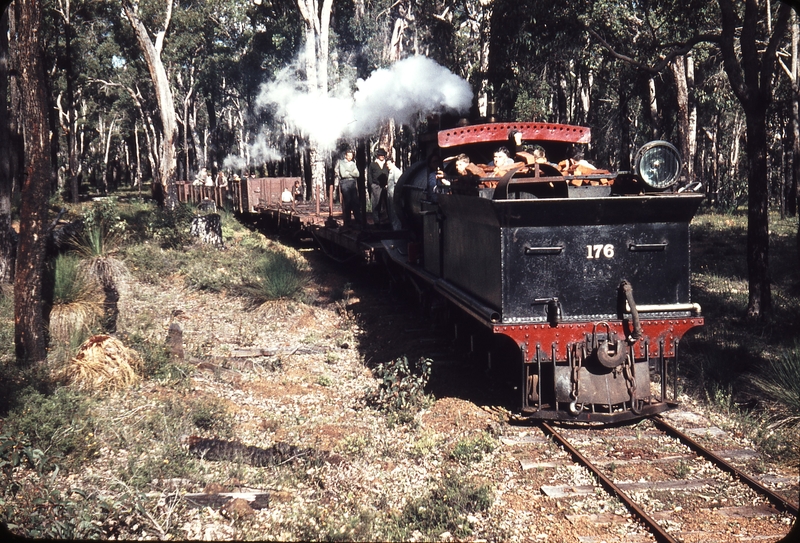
586, 273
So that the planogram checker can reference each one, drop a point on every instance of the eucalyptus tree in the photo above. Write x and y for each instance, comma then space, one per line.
791, 191
83, 52
152, 50
66, 101
543, 65
29, 329
316, 17
749, 44
454, 33
6, 157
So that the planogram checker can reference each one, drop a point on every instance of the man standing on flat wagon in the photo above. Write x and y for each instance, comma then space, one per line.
347, 179
378, 178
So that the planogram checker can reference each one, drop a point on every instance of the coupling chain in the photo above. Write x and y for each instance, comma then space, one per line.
577, 360
628, 371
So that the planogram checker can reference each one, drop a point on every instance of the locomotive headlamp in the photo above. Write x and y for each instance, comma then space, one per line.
658, 164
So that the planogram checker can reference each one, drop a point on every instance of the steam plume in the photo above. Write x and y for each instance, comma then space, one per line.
408, 89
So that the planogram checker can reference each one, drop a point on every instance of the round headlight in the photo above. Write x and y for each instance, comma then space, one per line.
658, 164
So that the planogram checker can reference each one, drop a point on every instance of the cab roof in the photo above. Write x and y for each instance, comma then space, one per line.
498, 132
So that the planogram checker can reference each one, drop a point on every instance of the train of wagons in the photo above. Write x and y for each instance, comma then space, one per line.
585, 273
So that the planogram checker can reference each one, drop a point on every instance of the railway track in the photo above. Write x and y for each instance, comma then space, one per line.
683, 482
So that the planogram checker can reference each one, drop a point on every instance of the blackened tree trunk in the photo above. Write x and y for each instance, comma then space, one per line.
760, 293
29, 332
751, 80
7, 242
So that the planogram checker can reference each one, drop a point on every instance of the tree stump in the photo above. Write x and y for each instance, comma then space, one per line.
174, 342
207, 206
208, 228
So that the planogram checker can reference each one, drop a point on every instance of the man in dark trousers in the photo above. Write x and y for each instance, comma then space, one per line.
347, 181
378, 178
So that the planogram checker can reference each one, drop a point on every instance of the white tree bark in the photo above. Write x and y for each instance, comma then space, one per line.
106, 154
317, 26
166, 104
678, 67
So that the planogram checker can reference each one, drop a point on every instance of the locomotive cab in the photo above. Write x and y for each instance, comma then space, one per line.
586, 270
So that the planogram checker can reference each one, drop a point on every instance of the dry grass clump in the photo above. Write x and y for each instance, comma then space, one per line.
102, 363
68, 319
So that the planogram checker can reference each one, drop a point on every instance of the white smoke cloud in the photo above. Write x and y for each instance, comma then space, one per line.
407, 90
413, 87
258, 152
321, 116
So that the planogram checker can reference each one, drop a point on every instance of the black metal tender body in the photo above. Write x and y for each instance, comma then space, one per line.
591, 282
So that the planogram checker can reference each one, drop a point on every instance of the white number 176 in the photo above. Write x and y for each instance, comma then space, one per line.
599, 250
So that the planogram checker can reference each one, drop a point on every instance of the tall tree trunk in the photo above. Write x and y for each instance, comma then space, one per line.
794, 194
68, 113
317, 24
29, 322
692, 136
760, 295
751, 81
655, 116
138, 157
166, 103
678, 67
7, 241
624, 126
106, 154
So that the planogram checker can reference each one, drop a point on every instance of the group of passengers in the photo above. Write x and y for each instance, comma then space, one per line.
382, 174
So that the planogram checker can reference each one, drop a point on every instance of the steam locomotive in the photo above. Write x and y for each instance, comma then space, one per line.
584, 272
581, 274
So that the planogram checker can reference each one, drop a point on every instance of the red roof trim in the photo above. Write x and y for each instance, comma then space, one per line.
496, 132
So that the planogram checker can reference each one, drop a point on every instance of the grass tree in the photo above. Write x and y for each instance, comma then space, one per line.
96, 245
77, 303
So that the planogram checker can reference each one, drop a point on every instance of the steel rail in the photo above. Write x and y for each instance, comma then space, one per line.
779, 501
660, 534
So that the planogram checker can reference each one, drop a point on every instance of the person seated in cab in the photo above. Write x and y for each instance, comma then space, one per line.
467, 177
437, 184
502, 162
502, 157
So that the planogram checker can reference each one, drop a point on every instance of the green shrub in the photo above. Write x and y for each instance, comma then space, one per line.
208, 268
156, 364
277, 276
446, 507
400, 386
70, 283
780, 384
256, 240
59, 424
77, 302
32, 507
471, 450
169, 227
7, 355
210, 414
151, 263
103, 216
